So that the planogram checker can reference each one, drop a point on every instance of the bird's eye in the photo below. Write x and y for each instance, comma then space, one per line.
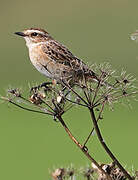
34, 34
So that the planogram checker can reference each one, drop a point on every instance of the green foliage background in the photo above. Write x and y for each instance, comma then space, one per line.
96, 31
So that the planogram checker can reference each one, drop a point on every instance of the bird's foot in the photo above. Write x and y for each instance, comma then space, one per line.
44, 85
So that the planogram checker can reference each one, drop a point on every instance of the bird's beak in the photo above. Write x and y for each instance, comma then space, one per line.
20, 34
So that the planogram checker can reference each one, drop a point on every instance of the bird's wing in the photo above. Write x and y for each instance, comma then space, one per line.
60, 54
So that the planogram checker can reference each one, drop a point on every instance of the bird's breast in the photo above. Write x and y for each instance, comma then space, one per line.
39, 60
44, 64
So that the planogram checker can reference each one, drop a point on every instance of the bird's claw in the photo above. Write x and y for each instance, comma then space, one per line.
43, 85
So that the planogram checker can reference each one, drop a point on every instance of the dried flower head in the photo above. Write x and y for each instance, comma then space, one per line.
57, 98
114, 172
16, 92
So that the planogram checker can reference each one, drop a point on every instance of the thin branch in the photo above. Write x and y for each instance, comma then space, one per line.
99, 117
76, 102
47, 105
32, 110
68, 86
97, 88
23, 98
126, 95
26, 100
24, 108
68, 107
99, 135
86, 94
108, 91
82, 147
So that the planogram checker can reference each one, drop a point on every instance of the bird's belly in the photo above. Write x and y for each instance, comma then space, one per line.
40, 63
42, 70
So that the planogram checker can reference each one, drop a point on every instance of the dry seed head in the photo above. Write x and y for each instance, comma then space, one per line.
15, 92
35, 99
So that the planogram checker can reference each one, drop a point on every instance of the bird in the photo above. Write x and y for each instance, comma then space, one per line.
53, 59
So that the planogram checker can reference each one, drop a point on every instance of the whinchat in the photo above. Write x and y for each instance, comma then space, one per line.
53, 59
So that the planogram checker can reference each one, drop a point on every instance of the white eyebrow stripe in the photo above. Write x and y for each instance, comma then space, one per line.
32, 31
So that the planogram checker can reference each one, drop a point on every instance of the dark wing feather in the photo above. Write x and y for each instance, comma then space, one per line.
60, 54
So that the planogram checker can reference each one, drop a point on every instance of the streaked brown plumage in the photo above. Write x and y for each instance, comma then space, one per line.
53, 59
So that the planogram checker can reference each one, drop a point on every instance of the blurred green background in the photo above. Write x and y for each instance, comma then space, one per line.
96, 31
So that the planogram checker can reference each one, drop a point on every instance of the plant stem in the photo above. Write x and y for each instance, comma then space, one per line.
69, 87
76, 102
81, 147
27, 109
105, 146
99, 116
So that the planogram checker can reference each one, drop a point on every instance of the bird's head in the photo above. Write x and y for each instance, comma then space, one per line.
34, 35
